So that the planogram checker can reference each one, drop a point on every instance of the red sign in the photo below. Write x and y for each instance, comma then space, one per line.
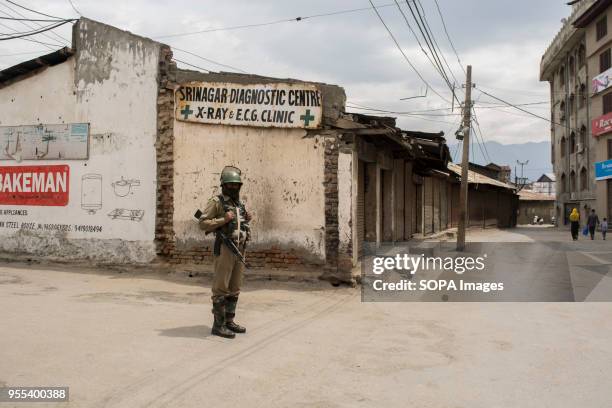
34, 185
602, 124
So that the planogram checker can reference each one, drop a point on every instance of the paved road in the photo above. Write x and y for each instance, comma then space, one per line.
140, 341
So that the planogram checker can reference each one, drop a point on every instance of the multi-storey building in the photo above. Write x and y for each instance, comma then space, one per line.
594, 22
573, 151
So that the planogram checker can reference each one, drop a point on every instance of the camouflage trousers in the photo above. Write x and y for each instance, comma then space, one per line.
228, 274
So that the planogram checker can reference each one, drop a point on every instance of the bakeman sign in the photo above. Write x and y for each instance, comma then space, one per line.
281, 105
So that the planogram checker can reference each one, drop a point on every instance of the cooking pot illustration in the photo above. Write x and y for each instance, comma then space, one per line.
123, 187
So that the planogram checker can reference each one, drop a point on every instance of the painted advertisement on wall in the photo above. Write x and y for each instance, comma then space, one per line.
34, 185
602, 124
283, 105
44, 142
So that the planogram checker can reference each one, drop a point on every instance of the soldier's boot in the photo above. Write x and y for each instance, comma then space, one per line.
219, 328
230, 313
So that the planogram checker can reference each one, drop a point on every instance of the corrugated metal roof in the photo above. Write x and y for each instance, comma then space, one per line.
476, 178
526, 195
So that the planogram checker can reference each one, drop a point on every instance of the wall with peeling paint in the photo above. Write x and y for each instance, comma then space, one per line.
283, 183
347, 201
111, 83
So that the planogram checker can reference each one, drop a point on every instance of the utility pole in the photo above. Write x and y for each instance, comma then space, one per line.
522, 179
465, 162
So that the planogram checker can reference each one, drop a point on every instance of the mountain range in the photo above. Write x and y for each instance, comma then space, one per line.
537, 153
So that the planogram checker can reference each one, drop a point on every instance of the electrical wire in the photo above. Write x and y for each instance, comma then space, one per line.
34, 11
404, 54
449, 37
286, 20
416, 37
27, 19
74, 8
61, 39
34, 33
48, 45
523, 110
191, 65
432, 51
208, 60
422, 113
432, 37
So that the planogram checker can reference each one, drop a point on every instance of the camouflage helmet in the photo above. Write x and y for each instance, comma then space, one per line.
230, 174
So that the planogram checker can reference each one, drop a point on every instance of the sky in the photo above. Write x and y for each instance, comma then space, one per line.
503, 41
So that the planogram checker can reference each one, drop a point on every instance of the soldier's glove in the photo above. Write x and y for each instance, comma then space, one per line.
229, 216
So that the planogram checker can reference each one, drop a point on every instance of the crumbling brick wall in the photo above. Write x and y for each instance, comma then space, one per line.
164, 232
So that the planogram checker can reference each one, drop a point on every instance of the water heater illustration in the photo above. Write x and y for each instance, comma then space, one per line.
91, 193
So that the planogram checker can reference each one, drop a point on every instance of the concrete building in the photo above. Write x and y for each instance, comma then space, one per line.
109, 149
494, 171
545, 184
595, 22
567, 69
533, 204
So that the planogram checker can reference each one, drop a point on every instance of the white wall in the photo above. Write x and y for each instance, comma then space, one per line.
283, 182
115, 90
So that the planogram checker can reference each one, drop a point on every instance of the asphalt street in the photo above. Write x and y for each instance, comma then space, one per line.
139, 340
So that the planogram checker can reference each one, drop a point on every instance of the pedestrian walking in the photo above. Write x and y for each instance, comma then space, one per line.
226, 216
592, 223
574, 223
604, 228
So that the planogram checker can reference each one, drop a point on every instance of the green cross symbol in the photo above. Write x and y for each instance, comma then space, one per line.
186, 112
307, 117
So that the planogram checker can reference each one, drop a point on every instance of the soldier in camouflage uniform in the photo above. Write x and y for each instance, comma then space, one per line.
226, 214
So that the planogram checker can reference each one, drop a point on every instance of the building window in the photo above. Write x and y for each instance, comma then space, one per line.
572, 181
572, 103
581, 55
562, 111
602, 28
583, 132
562, 77
583, 180
572, 68
607, 103
573, 143
582, 96
563, 146
562, 184
604, 61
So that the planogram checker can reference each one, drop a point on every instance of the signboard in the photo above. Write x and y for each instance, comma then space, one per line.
601, 81
34, 185
603, 170
282, 105
44, 142
602, 124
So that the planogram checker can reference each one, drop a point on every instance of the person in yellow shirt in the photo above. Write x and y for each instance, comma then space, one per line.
575, 223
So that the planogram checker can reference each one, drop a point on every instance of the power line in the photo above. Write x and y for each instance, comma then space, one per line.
433, 52
209, 60
74, 8
34, 33
432, 37
62, 39
448, 36
34, 11
27, 19
191, 65
48, 45
404, 54
519, 108
286, 20
22, 53
423, 113
416, 37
